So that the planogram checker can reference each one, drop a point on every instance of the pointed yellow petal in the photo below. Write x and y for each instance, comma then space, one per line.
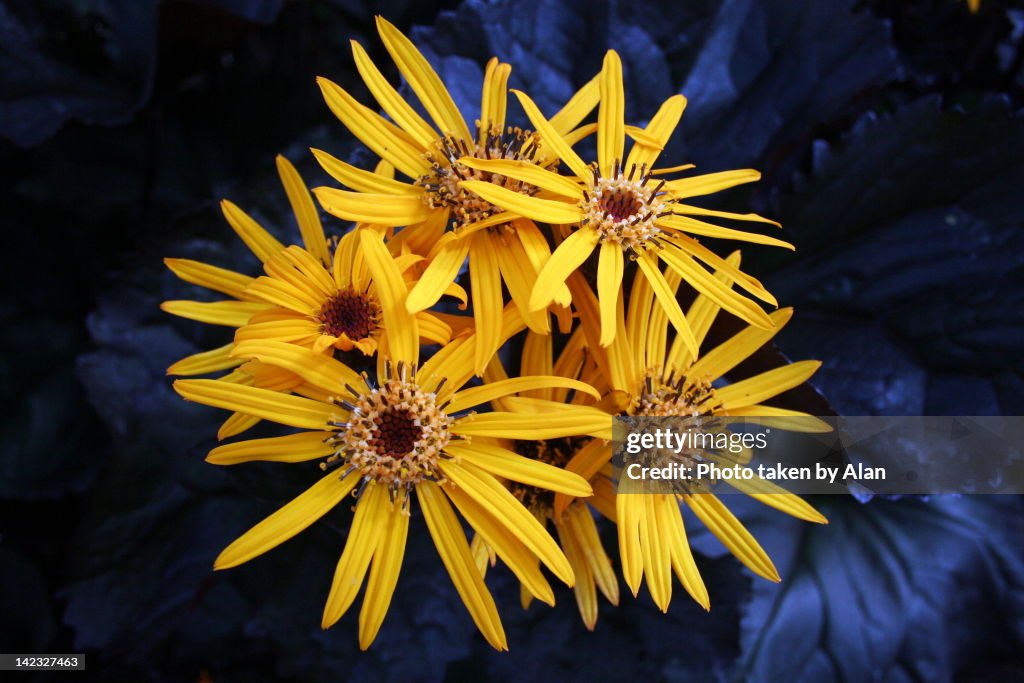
569, 256
582, 528
368, 527
485, 490
737, 348
384, 138
584, 590
695, 227
732, 534
611, 113
259, 241
682, 559
469, 398
441, 272
235, 425
666, 297
451, 545
508, 547
269, 290
781, 418
691, 246
360, 180
400, 111
206, 362
378, 209
288, 521
229, 313
710, 183
774, 496
629, 508
291, 448
316, 368
387, 563
293, 411
562, 420
552, 138
659, 130
310, 228
399, 324
655, 551
211, 277
766, 385
287, 330
528, 173
423, 81
609, 284
689, 210
502, 462
544, 210
578, 107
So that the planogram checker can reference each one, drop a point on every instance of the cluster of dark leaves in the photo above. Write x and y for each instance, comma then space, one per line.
892, 147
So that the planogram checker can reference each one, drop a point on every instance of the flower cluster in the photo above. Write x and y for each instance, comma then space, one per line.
435, 424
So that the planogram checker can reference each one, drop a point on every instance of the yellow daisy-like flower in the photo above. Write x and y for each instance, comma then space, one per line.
658, 376
409, 434
574, 524
323, 308
241, 306
619, 207
442, 220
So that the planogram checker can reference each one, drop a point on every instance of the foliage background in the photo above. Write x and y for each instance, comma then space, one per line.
890, 137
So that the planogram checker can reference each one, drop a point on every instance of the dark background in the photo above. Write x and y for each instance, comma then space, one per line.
892, 146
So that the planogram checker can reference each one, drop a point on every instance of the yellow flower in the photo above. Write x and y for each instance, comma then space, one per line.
323, 308
619, 206
655, 374
574, 523
409, 434
240, 306
442, 220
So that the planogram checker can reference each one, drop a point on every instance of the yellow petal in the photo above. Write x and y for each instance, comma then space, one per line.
737, 348
451, 545
609, 284
423, 81
690, 210
360, 180
710, 183
485, 285
666, 297
433, 329
695, 227
288, 521
211, 277
369, 525
259, 241
569, 256
485, 490
682, 559
544, 210
293, 411
384, 138
378, 209
287, 330
528, 173
387, 563
270, 290
733, 535
552, 138
581, 525
774, 496
439, 275
310, 228
494, 98
781, 418
400, 325
508, 547
400, 111
502, 462
657, 133
316, 368
562, 420
229, 313
578, 107
468, 398
291, 448
766, 384
235, 425
629, 510
611, 113
584, 591
655, 551
746, 282
206, 362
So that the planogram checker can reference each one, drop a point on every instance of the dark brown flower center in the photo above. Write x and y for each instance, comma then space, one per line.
349, 313
620, 204
556, 452
396, 432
